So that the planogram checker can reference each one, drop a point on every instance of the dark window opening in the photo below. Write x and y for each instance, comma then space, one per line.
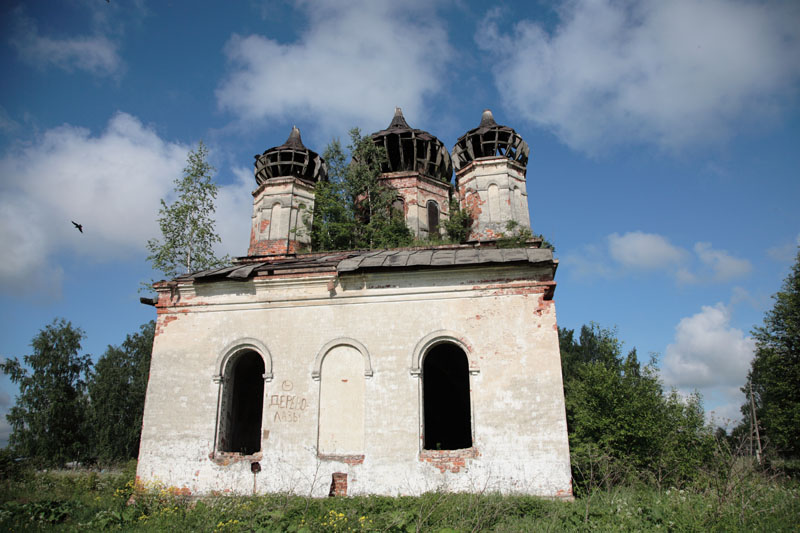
446, 403
433, 218
242, 405
392, 145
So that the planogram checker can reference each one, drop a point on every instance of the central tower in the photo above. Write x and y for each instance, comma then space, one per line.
418, 168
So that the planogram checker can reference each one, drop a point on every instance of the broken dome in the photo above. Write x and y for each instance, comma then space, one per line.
410, 149
291, 158
489, 139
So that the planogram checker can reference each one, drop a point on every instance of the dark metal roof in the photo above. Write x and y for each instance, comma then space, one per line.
447, 256
410, 149
291, 158
489, 139
443, 258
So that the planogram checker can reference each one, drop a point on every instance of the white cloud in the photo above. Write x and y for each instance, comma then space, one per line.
354, 63
7, 124
675, 74
637, 251
785, 253
707, 351
110, 183
710, 355
234, 211
724, 266
589, 261
95, 54
640, 250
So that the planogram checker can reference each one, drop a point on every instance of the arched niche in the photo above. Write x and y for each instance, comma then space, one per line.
341, 341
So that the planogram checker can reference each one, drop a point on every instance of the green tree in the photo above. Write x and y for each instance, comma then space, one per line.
49, 421
333, 226
117, 388
187, 224
617, 408
775, 370
354, 209
459, 225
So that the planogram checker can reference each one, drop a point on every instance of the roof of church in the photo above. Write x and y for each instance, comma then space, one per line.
292, 158
412, 149
363, 260
489, 139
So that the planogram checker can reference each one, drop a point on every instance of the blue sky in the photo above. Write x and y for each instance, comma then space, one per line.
665, 163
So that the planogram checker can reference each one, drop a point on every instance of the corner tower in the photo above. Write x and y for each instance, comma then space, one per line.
418, 168
490, 163
283, 202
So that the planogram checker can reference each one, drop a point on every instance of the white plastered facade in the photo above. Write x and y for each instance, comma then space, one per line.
378, 326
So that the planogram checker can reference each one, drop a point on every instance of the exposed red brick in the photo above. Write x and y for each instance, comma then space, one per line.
448, 460
273, 247
338, 484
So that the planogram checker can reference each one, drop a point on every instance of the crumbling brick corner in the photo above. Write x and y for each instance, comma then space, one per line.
338, 484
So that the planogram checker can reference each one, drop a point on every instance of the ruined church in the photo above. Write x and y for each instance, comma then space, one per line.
397, 371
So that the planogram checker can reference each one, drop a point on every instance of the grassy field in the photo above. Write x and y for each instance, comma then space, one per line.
92, 501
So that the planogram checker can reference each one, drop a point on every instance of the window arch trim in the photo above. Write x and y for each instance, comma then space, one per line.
316, 373
438, 337
246, 344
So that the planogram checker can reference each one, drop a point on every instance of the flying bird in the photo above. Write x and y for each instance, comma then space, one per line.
79, 226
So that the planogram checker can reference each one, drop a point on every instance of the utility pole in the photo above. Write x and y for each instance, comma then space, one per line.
754, 424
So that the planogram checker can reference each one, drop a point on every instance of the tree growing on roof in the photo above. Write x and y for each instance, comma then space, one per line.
353, 210
188, 235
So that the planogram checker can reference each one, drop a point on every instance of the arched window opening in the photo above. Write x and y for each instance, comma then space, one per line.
242, 405
398, 208
433, 218
446, 401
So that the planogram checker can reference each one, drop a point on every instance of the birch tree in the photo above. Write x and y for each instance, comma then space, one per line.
187, 224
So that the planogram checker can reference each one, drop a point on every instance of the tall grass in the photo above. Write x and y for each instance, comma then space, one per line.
744, 499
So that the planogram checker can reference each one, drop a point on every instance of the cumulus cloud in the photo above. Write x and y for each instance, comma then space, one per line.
724, 266
95, 54
674, 74
234, 211
707, 351
110, 183
638, 251
354, 64
710, 355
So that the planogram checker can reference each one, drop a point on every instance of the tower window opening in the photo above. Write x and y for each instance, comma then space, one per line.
242, 404
433, 218
392, 145
446, 399
398, 208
